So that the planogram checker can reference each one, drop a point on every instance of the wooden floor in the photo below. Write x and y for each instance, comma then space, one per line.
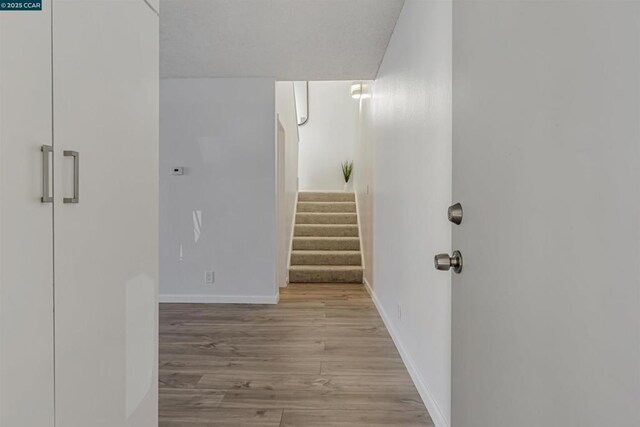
321, 357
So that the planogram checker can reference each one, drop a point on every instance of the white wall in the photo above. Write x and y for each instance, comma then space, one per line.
363, 184
407, 135
221, 214
300, 94
329, 137
287, 174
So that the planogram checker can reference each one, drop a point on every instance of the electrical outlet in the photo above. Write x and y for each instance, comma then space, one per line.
399, 310
209, 277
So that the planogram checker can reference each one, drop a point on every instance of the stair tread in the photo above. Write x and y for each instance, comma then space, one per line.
327, 213
326, 237
326, 207
325, 267
324, 252
324, 196
329, 218
326, 192
326, 230
326, 225
326, 243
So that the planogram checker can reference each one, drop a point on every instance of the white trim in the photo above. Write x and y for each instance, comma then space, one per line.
295, 108
220, 299
355, 196
427, 397
293, 230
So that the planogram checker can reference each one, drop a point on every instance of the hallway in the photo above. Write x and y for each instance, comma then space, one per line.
321, 357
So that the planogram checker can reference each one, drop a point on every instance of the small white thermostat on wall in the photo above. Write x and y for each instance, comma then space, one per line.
177, 171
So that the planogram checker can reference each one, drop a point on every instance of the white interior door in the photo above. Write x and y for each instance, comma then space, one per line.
546, 313
105, 79
26, 224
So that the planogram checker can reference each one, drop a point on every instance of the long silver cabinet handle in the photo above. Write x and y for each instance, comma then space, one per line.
76, 177
46, 194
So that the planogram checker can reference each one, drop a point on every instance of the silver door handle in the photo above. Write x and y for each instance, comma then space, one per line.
46, 194
76, 177
445, 262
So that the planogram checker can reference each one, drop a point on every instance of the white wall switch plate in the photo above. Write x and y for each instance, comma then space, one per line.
209, 277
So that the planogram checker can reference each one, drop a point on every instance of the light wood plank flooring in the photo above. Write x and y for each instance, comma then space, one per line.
321, 357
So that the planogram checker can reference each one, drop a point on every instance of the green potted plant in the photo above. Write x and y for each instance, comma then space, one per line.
347, 170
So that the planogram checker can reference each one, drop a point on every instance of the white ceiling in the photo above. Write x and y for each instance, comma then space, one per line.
286, 39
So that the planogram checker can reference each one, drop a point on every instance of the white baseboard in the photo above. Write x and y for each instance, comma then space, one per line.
427, 397
219, 299
293, 229
364, 267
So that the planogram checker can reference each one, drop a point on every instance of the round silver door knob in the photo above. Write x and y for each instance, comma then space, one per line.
445, 262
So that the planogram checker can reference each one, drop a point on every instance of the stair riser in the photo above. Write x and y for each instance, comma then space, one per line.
325, 276
340, 207
326, 259
326, 230
326, 197
302, 244
326, 218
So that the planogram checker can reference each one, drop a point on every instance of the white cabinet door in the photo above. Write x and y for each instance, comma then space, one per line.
546, 312
26, 227
105, 79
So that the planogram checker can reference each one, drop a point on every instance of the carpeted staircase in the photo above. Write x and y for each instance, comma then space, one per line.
326, 243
